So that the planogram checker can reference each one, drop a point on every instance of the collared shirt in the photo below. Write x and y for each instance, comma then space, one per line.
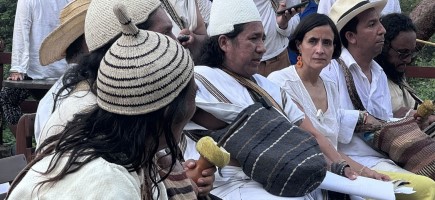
374, 95
34, 20
276, 38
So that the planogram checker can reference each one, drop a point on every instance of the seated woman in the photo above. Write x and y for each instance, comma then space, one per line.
109, 151
317, 41
231, 58
397, 53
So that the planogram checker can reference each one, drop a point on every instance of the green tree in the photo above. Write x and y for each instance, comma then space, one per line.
7, 16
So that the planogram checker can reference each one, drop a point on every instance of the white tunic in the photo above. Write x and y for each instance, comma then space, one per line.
329, 121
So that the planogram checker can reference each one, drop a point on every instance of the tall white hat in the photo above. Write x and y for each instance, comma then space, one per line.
224, 14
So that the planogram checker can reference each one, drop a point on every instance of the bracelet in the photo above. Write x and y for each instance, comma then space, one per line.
361, 170
338, 167
366, 115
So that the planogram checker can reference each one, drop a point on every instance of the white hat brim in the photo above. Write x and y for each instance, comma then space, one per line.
55, 44
378, 5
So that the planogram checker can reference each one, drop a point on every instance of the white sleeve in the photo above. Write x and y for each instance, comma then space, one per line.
347, 120
325, 6
21, 37
292, 23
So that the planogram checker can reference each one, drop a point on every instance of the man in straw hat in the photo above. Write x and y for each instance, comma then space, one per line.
101, 30
362, 35
145, 96
66, 41
33, 21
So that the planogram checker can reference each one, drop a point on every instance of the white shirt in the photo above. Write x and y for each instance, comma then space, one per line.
237, 94
34, 20
186, 10
97, 179
393, 6
331, 121
276, 38
65, 110
45, 108
375, 97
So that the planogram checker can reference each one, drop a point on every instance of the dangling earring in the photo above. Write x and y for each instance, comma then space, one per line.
299, 62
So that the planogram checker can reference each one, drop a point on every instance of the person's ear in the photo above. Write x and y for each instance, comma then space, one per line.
298, 45
350, 37
224, 42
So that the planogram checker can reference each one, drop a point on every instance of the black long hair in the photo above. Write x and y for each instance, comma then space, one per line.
129, 141
212, 55
393, 23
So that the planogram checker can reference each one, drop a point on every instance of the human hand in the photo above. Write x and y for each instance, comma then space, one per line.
350, 173
366, 172
16, 76
283, 19
186, 38
372, 121
204, 183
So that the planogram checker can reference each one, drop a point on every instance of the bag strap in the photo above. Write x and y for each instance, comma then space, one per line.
174, 16
353, 94
275, 5
211, 88
254, 87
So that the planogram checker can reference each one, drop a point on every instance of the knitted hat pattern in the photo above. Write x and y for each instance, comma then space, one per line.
142, 71
101, 25
224, 14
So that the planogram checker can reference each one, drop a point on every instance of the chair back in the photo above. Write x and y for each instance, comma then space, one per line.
10, 167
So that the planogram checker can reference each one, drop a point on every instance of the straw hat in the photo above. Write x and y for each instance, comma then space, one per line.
101, 25
142, 71
72, 21
342, 11
224, 14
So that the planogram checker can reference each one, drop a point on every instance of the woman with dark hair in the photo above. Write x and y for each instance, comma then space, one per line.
317, 41
228, 86
111, 151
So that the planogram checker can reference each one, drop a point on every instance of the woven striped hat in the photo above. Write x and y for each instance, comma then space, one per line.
143, 71
101, 25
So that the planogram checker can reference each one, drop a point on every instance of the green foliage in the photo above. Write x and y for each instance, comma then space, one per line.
7, 16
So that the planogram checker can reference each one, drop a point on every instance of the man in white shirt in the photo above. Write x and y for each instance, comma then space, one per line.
362, 35
34, 20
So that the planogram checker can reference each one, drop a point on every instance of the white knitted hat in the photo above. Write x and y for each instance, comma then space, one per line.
101, 25
142, 71
224, 14
342, 11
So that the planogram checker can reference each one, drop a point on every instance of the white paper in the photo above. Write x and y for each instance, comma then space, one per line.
362, 186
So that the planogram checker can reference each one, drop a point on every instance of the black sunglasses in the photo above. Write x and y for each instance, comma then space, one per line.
405, 53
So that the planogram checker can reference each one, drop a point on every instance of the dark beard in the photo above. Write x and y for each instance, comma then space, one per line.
391, 72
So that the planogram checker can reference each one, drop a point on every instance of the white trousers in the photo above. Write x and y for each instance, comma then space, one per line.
234, 184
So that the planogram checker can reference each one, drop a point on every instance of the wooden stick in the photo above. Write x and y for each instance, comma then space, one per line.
425, 42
